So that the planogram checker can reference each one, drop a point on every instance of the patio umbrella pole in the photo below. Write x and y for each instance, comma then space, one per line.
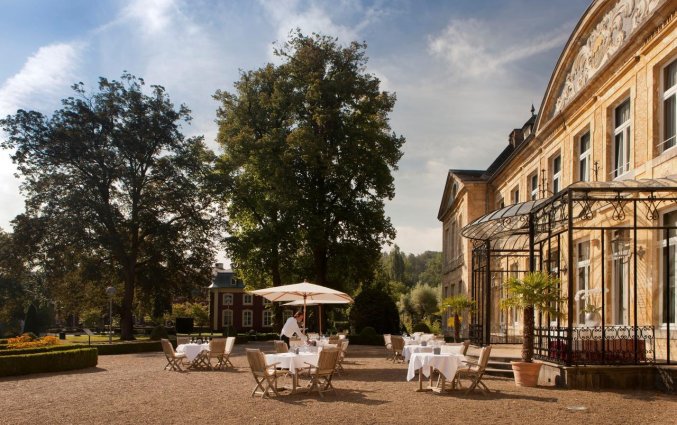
304, 312
319, 306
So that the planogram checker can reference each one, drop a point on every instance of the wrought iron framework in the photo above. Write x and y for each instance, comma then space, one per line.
543, 234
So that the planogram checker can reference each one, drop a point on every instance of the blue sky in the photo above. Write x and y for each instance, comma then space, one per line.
465, 71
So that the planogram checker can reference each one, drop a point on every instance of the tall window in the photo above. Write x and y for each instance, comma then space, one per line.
515, 195
622, 129
556, 174
227, 299
668, 293
247, 299
584, 157
267, 318
533, 186
227, 317
620, 275
500, 203
247, 318
669, 107
583, 281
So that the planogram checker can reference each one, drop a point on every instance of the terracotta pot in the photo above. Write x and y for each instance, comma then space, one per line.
526, 374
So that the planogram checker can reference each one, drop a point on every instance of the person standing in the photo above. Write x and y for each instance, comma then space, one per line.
291, 327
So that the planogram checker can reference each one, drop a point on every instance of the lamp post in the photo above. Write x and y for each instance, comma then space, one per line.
110, 291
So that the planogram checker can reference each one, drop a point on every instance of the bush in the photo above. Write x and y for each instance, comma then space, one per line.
366, 339
128, 347
420, 327
158, 333
368, 331
229, 331
51, 361
374, 308
34, 350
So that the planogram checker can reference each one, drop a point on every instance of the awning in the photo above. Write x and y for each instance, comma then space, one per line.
508, 221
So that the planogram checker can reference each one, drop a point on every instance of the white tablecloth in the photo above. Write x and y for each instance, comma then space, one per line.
293, 361
445, 363
191, 350
411, 349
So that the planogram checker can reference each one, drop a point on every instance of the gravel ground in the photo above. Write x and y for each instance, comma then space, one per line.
133, 389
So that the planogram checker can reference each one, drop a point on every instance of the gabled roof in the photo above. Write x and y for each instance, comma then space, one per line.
463, 176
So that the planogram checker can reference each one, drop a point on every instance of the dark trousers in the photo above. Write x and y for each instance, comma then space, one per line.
285, 339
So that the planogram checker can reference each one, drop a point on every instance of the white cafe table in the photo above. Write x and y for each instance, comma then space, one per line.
411, 349
294, 363
192, 350
447, 364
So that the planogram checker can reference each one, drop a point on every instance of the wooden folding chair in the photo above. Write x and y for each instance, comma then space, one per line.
389, 346
320, 375
265, 375
217, 348
281, 346
182, 340
398, 348
174, 359
225, 360
475, 371
343, 349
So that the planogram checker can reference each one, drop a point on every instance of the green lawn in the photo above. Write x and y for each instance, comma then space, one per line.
84, 339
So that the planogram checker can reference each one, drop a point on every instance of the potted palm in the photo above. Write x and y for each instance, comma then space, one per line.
535, 291
457, 305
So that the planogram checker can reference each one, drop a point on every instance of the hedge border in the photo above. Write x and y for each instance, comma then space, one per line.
51, 361
35, 350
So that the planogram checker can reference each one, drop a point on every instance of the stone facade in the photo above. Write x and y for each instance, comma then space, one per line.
608, 115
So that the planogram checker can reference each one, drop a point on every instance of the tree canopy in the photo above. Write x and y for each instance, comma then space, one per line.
109, 178
307, 165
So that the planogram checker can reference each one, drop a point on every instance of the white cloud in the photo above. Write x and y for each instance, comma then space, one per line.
311, 16
418, 239
43, 76
474, 48
152, 16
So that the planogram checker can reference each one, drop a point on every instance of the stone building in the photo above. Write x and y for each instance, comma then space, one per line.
587, 190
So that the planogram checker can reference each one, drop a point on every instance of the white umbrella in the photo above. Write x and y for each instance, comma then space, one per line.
308, 292
318, 303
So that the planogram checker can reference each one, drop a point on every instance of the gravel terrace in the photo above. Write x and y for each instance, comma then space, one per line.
133, 389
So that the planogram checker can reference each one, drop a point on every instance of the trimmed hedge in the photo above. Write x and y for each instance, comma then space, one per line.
35, 350
51, 361
128, 347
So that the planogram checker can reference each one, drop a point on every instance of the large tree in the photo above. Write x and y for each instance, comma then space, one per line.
111, 176
319, 160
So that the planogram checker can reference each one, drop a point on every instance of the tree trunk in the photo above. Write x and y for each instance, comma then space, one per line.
126, 316
457, 328
277, 281
320, 262
528, 334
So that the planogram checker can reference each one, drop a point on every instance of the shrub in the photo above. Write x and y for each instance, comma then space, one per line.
374, 308
128, 347
366, 339
33, 350
51, 361
421, 327
368, 331
229, 331
158, 333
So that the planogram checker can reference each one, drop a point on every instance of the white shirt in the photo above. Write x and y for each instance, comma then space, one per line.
291, 327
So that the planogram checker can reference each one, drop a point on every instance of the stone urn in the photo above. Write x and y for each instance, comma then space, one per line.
526, 374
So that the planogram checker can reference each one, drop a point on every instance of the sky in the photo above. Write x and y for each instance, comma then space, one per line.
465, 72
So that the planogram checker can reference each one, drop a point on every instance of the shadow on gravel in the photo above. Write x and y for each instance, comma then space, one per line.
341, 395
50, 374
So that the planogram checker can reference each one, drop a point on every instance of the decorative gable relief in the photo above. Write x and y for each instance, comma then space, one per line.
610, 34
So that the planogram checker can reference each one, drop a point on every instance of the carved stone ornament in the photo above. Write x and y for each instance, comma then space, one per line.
610, 34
